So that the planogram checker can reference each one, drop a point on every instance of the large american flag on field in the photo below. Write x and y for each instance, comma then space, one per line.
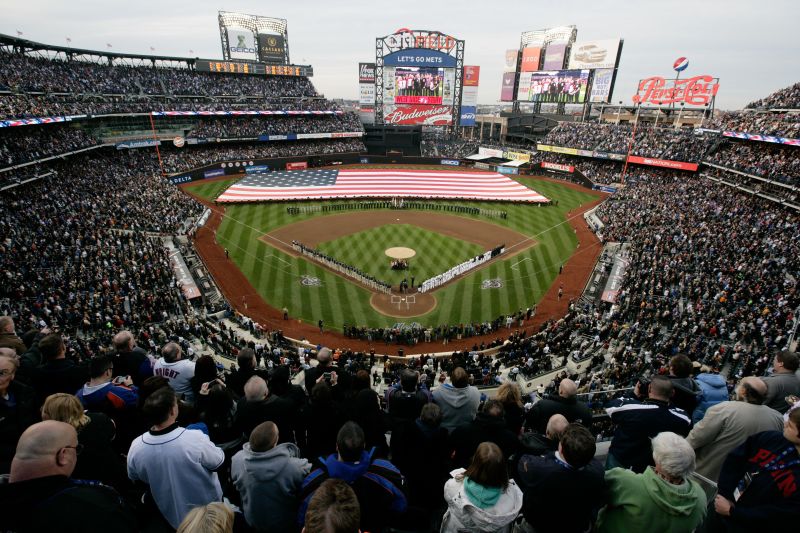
377, 183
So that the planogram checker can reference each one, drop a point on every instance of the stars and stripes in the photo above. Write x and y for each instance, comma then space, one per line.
378, 183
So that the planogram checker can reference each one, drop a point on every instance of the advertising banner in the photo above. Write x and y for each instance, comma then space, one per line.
449, 89
662, 163
530, 59
242, 45
507, 90
517, 156
601, 85
366, 73
507, 170
144, 143
366, 94
255, 169
213, 173
490, 152
186, 178
594, 54
469, 96
472, 75
555, 86
428, 115
271, 48
511, 61
558, 167
451, 162
762, 138
417, 57
554, 55
467, 116
564, 150
300, 165
699, 90
524, 85
482, 166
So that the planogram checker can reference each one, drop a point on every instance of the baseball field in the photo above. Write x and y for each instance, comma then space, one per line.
539, 240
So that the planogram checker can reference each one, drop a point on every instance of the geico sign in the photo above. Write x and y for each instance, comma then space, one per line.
240, 50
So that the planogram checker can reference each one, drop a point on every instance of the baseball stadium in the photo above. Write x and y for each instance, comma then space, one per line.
232, 302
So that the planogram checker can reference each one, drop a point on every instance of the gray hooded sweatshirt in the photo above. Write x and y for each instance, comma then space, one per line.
269, 483
458, 405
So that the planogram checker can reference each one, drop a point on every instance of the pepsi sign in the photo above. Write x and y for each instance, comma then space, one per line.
680, 64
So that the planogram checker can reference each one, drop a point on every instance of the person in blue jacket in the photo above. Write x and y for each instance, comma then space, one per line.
715, 390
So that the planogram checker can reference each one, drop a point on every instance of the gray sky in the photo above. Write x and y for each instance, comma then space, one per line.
753, 47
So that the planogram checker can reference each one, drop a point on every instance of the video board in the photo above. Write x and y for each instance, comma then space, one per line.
418, 85
553, 86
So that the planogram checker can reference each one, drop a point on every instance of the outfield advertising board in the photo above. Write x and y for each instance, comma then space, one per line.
419, 114
451, 162
594, 54
554, 55
241, 44
297, 165
601, 85
557, 166
665, 163
530, 59
507, 89
271, 48
490, 152
511, 61
507, 170
472, 75
467, 116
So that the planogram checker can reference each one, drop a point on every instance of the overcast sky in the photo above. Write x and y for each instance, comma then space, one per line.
753, 47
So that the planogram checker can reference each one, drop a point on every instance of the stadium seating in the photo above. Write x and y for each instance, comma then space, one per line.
711, 270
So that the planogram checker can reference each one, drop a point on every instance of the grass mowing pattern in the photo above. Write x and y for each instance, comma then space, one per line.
525, 276
436, 253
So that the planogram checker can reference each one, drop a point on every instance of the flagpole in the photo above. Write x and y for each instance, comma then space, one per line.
155, 138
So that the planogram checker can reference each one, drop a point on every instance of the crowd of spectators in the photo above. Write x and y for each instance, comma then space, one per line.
758, 123
193, 157
21, 145
771, 161
30, 74
276, 125
776, 190
21, 106
440, 145
788, 98
649, 141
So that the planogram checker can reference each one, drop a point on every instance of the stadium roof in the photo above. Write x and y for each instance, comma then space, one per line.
8, 40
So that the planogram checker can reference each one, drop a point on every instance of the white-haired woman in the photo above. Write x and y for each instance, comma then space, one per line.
663, 498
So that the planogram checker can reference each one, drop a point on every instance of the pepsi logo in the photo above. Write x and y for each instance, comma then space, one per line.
680, 64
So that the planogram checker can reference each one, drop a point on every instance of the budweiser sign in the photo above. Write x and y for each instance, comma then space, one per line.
436, 115
699, 90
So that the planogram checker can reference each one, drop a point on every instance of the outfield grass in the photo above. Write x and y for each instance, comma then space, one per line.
525, 276
436, 253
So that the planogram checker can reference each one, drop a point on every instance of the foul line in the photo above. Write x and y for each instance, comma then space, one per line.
514, 266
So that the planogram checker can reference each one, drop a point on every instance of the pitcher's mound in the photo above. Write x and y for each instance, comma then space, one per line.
403, 305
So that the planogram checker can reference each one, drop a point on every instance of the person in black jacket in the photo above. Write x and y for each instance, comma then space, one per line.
764, 473
489, 426
637, 422
40, 496
17, 409
563, 490
259, 406
130, 360
246, 363
687, 390
566, 403
57, 374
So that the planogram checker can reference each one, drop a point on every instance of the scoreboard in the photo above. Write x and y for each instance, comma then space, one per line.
257, 69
